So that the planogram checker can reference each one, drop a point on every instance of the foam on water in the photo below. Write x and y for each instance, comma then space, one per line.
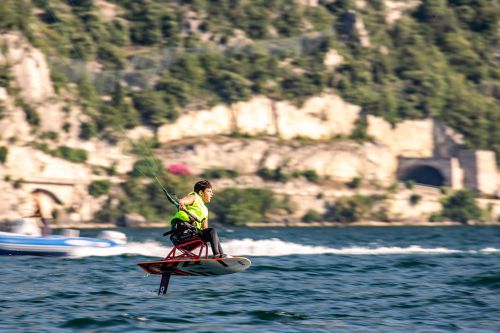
277, 247
272, 247
147, 248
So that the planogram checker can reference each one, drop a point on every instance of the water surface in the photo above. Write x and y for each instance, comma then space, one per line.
302, 280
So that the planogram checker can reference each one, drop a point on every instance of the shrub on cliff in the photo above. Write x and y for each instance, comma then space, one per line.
147, 167
461, 206
75, 155
32, 117
356, 208
310, 174
15, 14
3, 154
276, 175
218, 173
153, 109
99, 187
238, 206
312, 216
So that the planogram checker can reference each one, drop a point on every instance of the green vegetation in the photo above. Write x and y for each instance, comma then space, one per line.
218, 173
410, 184
356, 208
415, 199
75, 155
3, 154
238, 206
437, 61
140, 194
18, 183
461, 206
99, 187
32, 117
310, 175
50, 135
355, 183
2, 109
276, 175
312, 216
5, 76
147, 167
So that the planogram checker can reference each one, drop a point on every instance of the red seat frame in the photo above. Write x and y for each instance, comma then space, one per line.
192, 249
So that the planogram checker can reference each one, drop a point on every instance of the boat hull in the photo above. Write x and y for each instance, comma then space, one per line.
16, 244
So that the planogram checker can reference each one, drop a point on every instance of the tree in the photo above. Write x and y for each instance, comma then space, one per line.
152, 107
461, 206
231, 87
145, 17
99, 187
3, 154
235, 206
289, 23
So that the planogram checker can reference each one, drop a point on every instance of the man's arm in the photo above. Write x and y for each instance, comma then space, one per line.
186, 201
205, 223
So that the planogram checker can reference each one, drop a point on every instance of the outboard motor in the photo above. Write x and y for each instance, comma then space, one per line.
70, 233
27, 227
115, 236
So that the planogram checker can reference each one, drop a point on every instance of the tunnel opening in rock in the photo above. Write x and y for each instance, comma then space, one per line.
425, 175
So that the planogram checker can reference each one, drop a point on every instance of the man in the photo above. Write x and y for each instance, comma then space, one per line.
44, 205
194, 203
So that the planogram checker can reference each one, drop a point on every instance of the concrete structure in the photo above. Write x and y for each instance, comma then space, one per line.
471, 169
480, 170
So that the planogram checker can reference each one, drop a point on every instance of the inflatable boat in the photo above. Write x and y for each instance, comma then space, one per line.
26, 240
56, 245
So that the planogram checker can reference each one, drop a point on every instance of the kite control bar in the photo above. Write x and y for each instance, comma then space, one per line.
176, 204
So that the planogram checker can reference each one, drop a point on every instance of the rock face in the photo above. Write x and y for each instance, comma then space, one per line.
28, 169
410, 138
338, 160
320, 118
29, 67
217, 120
396, 8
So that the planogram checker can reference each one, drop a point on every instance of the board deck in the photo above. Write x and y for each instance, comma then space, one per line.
200, 267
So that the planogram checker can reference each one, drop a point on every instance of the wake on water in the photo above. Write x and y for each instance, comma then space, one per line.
271, 248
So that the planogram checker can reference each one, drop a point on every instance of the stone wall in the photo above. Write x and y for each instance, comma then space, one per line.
480, 171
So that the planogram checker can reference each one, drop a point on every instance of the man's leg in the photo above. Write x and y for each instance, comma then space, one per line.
46, 231
210, 235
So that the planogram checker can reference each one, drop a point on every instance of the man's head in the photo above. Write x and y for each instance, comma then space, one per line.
204, 189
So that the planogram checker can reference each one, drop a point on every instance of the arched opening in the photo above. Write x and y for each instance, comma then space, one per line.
424, 174
49, 194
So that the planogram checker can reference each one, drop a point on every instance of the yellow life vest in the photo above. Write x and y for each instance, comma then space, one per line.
197, 209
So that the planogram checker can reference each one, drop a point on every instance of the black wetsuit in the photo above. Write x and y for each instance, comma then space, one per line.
210, 235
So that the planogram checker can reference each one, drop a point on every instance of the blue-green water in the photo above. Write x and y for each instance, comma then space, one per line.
301, 280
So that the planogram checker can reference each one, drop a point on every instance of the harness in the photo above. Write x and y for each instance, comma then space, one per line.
182, 232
